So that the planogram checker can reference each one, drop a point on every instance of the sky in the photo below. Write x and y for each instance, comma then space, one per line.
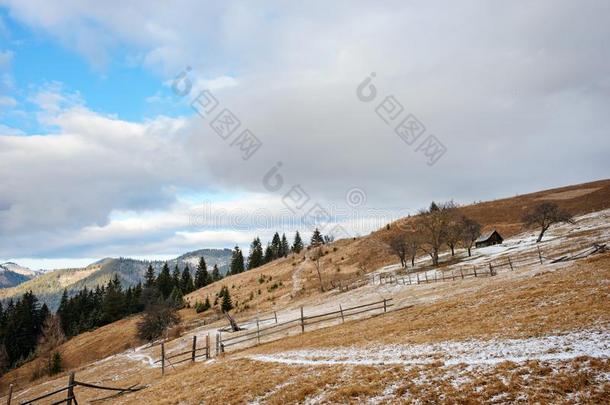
149, 129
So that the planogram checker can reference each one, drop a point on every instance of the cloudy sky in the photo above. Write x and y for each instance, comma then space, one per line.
116, 136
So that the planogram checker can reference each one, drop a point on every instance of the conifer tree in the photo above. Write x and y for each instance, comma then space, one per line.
216, 276
268, 254
202, 277
164, 282
256, 254
149, 277
237, 261
276, 246
186, 281
284, 246
316, 238
226, 304
176, 277
176, 299
297, 246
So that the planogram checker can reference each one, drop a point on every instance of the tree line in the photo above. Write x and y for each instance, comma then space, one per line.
277, 248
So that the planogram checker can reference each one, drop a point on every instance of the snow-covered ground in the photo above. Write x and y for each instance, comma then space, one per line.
593, 343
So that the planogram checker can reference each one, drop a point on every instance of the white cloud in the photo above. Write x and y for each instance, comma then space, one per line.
6, 101
499, 85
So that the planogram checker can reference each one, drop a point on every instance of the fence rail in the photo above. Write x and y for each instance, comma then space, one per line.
486, 269
70, 396
193, 354
301, 322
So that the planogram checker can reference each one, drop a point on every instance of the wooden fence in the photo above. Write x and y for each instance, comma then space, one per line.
267, 333
189, 355
70, 397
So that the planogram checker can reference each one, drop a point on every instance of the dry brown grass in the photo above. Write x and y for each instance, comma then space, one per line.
356, 256
82, 349
569, 298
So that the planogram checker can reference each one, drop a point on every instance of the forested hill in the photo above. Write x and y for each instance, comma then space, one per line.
49, 286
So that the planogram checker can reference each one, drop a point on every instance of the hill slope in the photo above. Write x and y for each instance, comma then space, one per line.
49, 286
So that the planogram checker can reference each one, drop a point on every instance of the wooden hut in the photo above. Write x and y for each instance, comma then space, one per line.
489, 239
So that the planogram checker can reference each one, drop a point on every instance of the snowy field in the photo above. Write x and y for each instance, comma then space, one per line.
593, 343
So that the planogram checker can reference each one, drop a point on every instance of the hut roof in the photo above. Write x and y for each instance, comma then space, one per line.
486, 236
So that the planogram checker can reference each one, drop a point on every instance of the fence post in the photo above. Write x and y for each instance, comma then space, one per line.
417, 274
207, 346
510, 264
342, 318
275, 314
10, 394
194, 348
162, 359
475, 270
452, 275
302, 322
70, 389
461, 273
385, 309
220, 346
539, 254
258, 332
426, 274
491, 269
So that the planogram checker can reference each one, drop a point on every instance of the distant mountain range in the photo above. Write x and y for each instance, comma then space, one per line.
48, 286
12, 274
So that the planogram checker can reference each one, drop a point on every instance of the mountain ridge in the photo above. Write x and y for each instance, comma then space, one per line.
48, 286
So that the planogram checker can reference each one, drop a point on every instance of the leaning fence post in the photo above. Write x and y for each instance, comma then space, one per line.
539, 254
194, 348
385, 309
10, 394
510, 264
491, 269
302, 322
342, 318
275, 314
162, 359
70, 389
461, 273
475, 270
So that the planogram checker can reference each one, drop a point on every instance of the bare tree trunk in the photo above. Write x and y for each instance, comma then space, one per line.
319, 275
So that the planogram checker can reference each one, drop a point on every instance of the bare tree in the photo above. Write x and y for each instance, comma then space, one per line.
471, 230
412, 242
454, 233
51, 337
317, 255
398, 245
432, 226
544, 215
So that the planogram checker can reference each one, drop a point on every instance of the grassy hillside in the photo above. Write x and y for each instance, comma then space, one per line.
271, 286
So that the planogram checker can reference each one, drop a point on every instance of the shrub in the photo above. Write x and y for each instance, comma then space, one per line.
55, 364
156, 320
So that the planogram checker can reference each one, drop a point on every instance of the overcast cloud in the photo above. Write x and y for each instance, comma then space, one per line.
517, 92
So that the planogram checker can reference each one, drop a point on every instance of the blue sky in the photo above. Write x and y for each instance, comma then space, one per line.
98, 157
120, 88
